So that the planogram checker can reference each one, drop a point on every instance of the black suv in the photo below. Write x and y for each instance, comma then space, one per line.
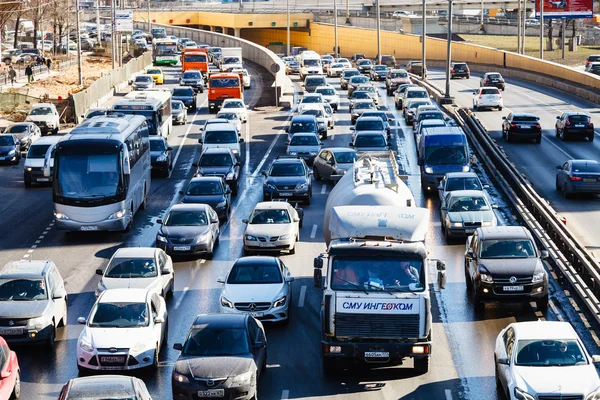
459, 70
574, 124
220, 161
193, 78
388, 60
288, 177
502, 263
187, 95
521, 126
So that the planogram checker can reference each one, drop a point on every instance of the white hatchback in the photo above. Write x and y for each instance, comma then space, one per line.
272, 226
237, 106
487, 97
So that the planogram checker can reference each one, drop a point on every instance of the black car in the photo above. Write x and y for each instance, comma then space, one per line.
288, 177
502, 263
521, 126
224, 356
416, 67
574, 124
493, 79
460, 70
192, 78
187, 95
346, 75
161, 155
10, 148
364, 66
220, 161
379, 72
211, 190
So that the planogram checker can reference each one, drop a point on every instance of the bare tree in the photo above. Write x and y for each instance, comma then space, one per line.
59, 21
36, 12
8, 9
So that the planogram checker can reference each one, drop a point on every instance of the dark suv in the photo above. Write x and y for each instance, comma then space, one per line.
388, 60
288, 177
416, 67
220, 161
193, 78
502, 263
521, 126
395, 78
185, 94
460, 70
312, 82
574, 124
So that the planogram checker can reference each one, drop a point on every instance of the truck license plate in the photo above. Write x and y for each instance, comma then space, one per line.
377, 354
43, 179
211, 393
513, 288
181, 248
89, 228
11, 331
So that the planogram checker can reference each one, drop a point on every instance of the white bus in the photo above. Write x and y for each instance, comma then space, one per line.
165, 112
101, 174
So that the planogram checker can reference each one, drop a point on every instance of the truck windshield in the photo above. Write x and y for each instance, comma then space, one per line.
377, 274
224, 83
194, 58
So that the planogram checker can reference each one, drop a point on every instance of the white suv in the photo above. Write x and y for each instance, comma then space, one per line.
272, 226
487, 97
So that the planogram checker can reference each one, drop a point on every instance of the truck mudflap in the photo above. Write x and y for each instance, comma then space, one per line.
375, 352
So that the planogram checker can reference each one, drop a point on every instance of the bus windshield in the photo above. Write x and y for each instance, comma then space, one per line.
166, 49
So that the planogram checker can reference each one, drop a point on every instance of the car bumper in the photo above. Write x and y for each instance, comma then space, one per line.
490, 104
497, 292
36, 176
579, 132
93, 360
273, 314
293, 195
27, 335
190, 391
460, 74
180, 119
160, 166
255, 245
524, 135
106, 225
183, 249
460, 232
357, 351
578, 187
14, 157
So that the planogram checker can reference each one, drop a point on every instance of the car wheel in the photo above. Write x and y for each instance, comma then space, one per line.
499, 108
293, 249
566, 192
556, 132
50, 341
478, 305
467, 279
591, 137
209, 255
475, 108
166, 334
557, 185
143, 203
538, 140
421, 365
248, 252
542, 305
154, 365
234, 190
316, 174
397, 106
27, 184
16, 393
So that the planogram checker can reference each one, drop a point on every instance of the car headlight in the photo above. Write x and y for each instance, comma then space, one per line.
101, 288
12, 152
226, 303
250, 238
162, 157
280, 301
180, 378
117, 215
161, 238
293, 153
302, 186
487, 223
222, 204
466, 168
456, 224
522, 395
284, 237
428, 170
595, 395
58, 215
538, 276
235, 152
202, 238
486, 278
230, 176
37, 323
139, 346
29, 170
272, 187
85, 345
243, 379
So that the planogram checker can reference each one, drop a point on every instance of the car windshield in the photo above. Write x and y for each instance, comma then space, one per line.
6, 140
585, 167
38, 151
154, 72
252, 274
207, 341
22, 289
494, 76
143, 79
191, 75
41, 111
228, 116
525, 118
315, 81
364, 106
303, 127
119, 315
312, 99
233, 104
287, 169
468, 203
490, 91
345, 157
523, 248
337, 66
466, 183
356, 80
377, 274
131, 268
395, 75
16, 129
221, 137
369, 141
549, 353
431, 115
369, 125
204, 188
349, 74
416, 104
183, 92
312, 63
304, 140
157, 145
416, 94
177, 105
379, 114
445, 155
270, 217
380, 68
186, 218
216, 160
326, 91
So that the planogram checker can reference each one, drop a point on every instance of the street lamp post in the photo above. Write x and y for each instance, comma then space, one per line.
80, 76
424, 42
541, 29
288, 26
519, 27
113, 33
335, 30
449, 50
378, 34
524, 29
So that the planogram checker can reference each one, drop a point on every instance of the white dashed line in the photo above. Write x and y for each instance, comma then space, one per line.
313, 233
323, 189
181, 297
38, 241
26, 256
302, 296
202, 261
285, 394
448, 394
30, 251
187, 133
34, 246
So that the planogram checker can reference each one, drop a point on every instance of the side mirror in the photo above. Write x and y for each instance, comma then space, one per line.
310, 173
181, 192
352, 128
245, 221
286, 128
470, 253
318, 262
200, 140
558, 117
486, 186
295, 220
596, 359
228, 190
159, 320
221, 279
545, 254
99, 272
159, 221
214, 221
443, 208
318, 278
263, 173
237, 164
5, 374
169, 149
495, 206
440, 187
420, 161
241, 140
81, 320
258, 344
195, 165
351, 144
178, 346
289, 279
559, 167
503, 360
504, 118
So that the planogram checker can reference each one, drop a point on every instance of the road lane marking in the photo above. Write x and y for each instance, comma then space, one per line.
448, 394
302, 296
187, 133
247, 160
561, 150
323, 189
313, 233
285, 394
181, 297
38, 241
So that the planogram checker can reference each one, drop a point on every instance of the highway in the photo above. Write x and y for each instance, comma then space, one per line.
462, 364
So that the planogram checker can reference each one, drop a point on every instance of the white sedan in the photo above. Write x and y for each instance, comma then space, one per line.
345, 62
272, 226
544, 358
236, 106
138, 267
260, 286
487, 97
124, 331
335, 69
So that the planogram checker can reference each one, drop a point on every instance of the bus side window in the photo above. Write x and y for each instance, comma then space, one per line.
145, 140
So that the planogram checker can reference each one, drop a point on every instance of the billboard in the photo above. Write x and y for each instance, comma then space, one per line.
565, 8
123, 21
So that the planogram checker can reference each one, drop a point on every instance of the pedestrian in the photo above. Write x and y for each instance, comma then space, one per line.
49, 64
29, 73
12, 74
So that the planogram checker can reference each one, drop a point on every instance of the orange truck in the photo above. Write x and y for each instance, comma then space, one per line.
195, 59
221, 86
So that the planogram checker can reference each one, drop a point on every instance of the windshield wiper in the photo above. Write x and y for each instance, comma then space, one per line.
353, 284
383, 289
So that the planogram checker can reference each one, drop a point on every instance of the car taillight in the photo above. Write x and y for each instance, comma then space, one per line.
453, 70
513, 125
538, 126
591, 125
567, 123
487, 80
502, 80
575, 178
480, 95
499, 96
587, 63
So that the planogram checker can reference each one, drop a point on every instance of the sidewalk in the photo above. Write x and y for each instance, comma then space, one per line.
21, 81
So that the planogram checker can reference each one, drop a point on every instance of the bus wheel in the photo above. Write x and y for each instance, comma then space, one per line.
143, 203
130, 223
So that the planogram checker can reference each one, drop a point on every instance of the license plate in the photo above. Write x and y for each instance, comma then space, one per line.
182, 248
285, 193
89, 228
589, 180
469, 230
256, 314
377, 354
267, 245
112, 359
524, 127
579, 126
11, 331
513, 288
211, 393
43, 179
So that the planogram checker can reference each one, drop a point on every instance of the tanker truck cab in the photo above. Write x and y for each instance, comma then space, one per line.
441, 150
376, 307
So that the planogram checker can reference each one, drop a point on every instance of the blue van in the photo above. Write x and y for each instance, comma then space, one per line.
441, 150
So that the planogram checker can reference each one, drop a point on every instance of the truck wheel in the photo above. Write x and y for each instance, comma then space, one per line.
329, 366
422, 365
542, 305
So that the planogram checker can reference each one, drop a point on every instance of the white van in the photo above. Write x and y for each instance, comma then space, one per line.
310, 63
34, 161
221, 135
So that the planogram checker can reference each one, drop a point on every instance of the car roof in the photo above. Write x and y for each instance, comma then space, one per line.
232, 100
157, 139
113, 385
124, 295
465, 193
188, 207
135, 252
206, 178
579, 162
192, 70
220, 321
523, 114
368, 118
287, 160
303, 117
340, 149
504, 232
21, 123
459, 174
369, 133
541, 330
569, 113
220, 127
217, 150
31, 268
304, 134
272, 205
